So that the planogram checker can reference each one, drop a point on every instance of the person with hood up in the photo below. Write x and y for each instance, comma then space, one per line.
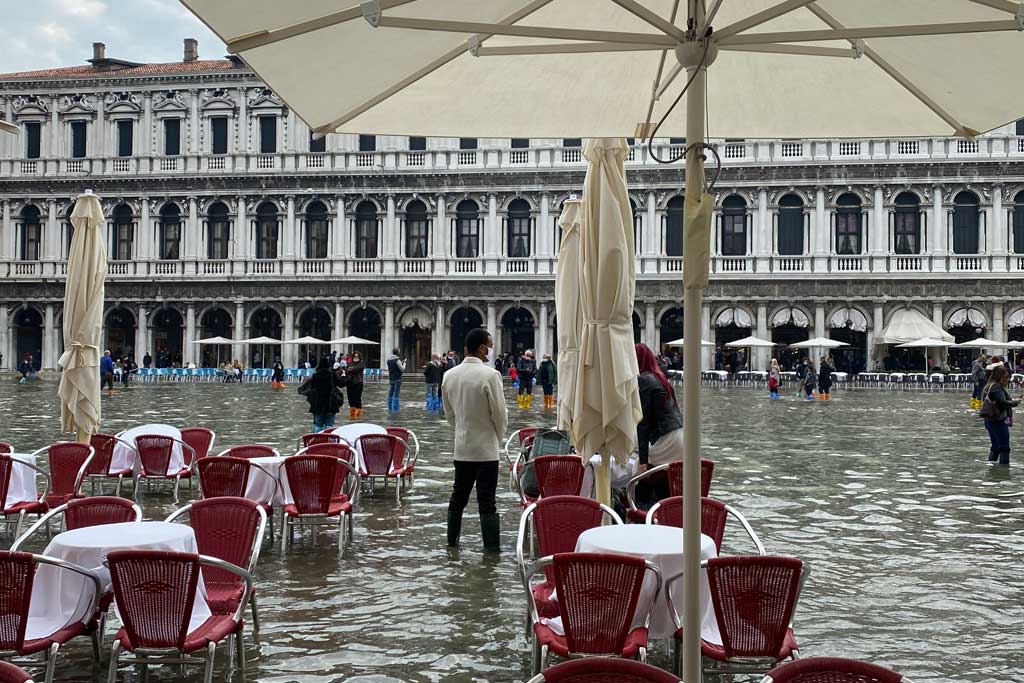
526, 368
396, 368
548, 377
433, 373
277, 377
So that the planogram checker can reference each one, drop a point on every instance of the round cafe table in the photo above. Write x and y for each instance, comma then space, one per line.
263, 481
662, 546
60, 597
124, 458
23, 486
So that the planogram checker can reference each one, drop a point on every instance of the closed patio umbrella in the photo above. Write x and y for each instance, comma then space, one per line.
567, 310
8, 127
79, 388
865, 69
607, 402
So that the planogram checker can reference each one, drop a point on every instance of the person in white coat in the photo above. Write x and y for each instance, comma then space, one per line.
474, 404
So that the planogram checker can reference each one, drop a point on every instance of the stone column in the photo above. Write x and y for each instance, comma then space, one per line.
243, 122
189, 354
241, 233
141, 336
762, 232
938, 223
937, 314
543, 342
877, 325
707, 355
8, 243
390, 238
194, 241
339, 235
339, 321
237, 349
492, 327
289, 352
48, 361
387, 334
439, 341
819, 320
650, 329
56, 130
146, 141
763, 354
878, 233
997, 231
194, 124
439, 235
998, 327
820, 227
144, 247
290, 230
544, 237
5, 339
492, 238
51, 241
649, 237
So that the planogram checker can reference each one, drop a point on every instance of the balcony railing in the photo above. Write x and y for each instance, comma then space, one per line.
848, 264
465, 266
909, 263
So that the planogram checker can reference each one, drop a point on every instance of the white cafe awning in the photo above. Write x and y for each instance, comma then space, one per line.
909, 324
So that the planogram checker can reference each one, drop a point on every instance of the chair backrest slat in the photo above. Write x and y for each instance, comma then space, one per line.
334, 449
754, 598
103, 445
98, 510
225, 528
17, 573
381, 453
66, 460
154, 453
675, 476
597, 595
155, 591
223, 476
311, 480
559, 475
200, 439
713, 516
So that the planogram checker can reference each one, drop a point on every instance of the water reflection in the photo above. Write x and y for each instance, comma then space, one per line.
912, 538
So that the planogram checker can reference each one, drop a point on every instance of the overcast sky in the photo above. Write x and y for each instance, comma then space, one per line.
45, 34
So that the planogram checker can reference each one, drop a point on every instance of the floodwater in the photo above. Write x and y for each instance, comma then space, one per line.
914, 541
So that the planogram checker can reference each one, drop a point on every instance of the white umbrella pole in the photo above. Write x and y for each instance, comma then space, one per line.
692, 298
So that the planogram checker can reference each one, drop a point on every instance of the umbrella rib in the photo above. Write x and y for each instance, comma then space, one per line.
257, 39
565, 48
786, 49
898, 77
503, 29
1007, 6
655, 20
655, 94
424, 71
8, 127
712, 13
762, 17
905, 31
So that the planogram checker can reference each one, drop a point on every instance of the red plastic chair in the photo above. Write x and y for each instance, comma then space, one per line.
598, 595
832, 670
99, 466
68, 462
17, 573
85, 512
559, 475
338, 449
318, 438
6, 447
713, 516
603, 670
313, 484
674, 471
200, 439
155, 452
558, 522
382, 456
222, 476
12, 674
409, 437
22, 508
230, 529
251, 450
155, 591
754, 598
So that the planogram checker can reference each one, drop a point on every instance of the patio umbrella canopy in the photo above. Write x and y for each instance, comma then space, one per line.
215, 341
909, 324
607, 401
567, 309
751, 343
926, 343
703, 342
582, 68
982, 343
818, 343
79, 388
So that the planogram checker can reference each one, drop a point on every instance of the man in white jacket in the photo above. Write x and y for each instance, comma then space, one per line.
474, 404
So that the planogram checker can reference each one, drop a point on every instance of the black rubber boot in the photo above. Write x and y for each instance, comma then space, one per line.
490, 529
1004, 457
454, 528
993, 455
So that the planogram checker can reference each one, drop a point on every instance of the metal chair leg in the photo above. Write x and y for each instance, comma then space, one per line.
240, 645
51, 662
211, 651
255, 619
114, 650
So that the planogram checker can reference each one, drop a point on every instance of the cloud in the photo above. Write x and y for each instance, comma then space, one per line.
82, 8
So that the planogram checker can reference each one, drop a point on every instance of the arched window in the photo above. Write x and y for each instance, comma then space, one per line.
417, 230
674, 227
366, 230
316, 230
1018, 223
267, 230
849, 225
966, 223
218, 229
31, 233
734, 226
124, 233
467, 229
791, 226
907, 224
518, 228
170, 232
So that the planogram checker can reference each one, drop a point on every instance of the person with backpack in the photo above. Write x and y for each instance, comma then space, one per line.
997, 410
432, 375
548, 376
323, 393
396, 368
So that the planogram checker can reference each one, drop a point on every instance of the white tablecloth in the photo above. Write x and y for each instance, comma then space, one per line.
663, 546
124, 458
61, 597
351, 433
262, 485
22, 488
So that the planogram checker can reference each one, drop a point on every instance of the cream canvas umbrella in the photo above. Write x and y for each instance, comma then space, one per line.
306, 341
837, 68
607, 402
926, 343
567, 310
215, 341
750, 343
682, 342
8, 127
79, 388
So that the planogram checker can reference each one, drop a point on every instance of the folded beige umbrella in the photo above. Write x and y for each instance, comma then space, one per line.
79, 388
567, 310
607, 402
8, 127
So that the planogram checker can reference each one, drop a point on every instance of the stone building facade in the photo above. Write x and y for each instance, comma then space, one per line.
226, 219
